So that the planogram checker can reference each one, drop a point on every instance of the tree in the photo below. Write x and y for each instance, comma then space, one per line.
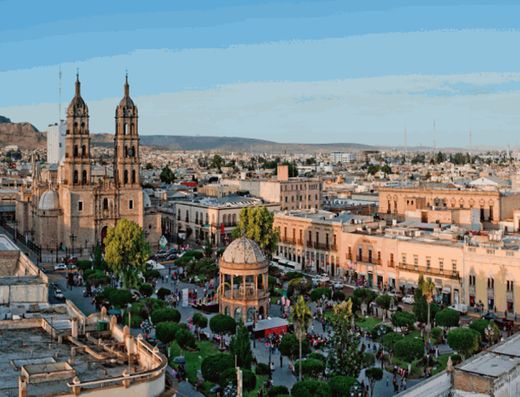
340, 385
362, 297
216, 162
311, 367
373, 374
344, 355
409, 349
390, 339
310, 387
167, 175
256, 223
185, 338
420, 307
302, 318
488, 330
117, 297
289, 346
222, 324
299, 285
166, 331
126, 251
384, 302
146, 290
427, 287
200, 321
213, 365
320, 292
240, 347
165, 314
447, 318
403, 319
464, 340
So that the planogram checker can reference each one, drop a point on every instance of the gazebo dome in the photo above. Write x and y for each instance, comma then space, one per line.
49, 201
243, 251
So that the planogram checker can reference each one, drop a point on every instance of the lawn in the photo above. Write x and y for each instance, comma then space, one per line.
193, 359
443, 362
367, 323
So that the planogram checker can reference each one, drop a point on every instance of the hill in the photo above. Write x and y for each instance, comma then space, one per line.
25, 135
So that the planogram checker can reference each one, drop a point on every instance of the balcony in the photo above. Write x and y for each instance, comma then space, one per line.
246, 294
368, 261
430, 271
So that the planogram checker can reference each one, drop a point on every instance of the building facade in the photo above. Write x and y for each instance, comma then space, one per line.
69, 210
56, 142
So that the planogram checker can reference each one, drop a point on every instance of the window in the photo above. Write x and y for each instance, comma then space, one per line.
509, 285
403, 258
76, 177
133, 176
80, 205
105, 204
428, 263
84, 177
491, 283
83, 151
441, 264
415, 261
454, 266
125, 177
472, 280
75, 151
131, 204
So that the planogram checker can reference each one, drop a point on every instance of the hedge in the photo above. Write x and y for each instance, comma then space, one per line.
166, 314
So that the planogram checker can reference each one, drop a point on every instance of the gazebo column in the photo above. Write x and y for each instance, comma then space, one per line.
244, 287
232, 287
256, 286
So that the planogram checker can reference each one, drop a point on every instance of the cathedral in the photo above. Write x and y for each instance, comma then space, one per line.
68, 208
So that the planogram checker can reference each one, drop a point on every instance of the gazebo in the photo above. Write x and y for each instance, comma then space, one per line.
243, 281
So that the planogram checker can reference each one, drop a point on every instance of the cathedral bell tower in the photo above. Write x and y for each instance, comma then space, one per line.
77, 167
126, 142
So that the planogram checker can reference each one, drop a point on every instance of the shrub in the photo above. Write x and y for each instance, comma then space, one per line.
480, 326
262, 369
403, 319
166, 331
456, 359
310, 387
213, 365
340, 385
464, 340
409, 349
339, 296
117, 297
185, 338
163, 293
321, 292
318, 356
84, 264
447, 318
390, 339
436, 335
289, 345
311, 367
229, 376
368, 360
292, 275
275, 391
96, 277
151, 274
146, 290
166, 314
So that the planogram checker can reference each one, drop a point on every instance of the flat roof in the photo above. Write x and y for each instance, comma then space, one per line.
510, 347
490, 364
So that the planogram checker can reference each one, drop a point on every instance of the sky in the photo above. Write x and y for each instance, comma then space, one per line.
318, 71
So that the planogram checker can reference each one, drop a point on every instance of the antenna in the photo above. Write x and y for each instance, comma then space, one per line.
405, 139
59, 95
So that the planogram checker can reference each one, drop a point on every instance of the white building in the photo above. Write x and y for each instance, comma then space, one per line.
56, 142
341, 157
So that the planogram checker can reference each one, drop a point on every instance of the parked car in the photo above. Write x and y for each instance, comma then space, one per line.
501, 322
459, 307
60, 266
408, 299
59, 295
338, 285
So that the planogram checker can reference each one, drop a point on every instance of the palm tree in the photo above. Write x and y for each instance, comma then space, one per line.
302, 317
427, 287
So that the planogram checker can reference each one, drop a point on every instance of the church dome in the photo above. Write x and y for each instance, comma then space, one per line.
77, 106
243, 251
49, 201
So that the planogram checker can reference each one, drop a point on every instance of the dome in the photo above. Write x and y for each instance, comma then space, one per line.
126, 107
49, 201
146, 200
77, 106
243, 251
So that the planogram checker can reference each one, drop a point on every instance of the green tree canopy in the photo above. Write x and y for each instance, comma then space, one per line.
213, 365
409, 349
167, 175
240, 347
165, 314
289, 345
222, 324
256, 223
464, 340
447, 318
310, 387
126, 251
340, 385
403, 319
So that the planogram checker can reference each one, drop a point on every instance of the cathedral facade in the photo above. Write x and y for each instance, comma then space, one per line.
68, 209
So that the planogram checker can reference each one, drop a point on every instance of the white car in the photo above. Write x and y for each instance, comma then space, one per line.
338, 285
59, 295
459, 307
408, 299
324, 278
60, 266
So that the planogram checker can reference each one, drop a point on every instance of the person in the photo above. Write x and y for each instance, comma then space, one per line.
272, 366
396, 385
281, 360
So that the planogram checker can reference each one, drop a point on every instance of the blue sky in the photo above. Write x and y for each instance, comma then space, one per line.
286, 70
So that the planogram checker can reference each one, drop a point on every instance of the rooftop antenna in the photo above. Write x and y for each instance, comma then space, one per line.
59, 94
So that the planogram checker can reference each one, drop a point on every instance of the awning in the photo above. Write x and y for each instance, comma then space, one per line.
446, 290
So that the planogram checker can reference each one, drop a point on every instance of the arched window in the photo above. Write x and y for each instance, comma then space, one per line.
76, 176
105, 204
126, 176
133, 176
132, 128
83, 151
84, 177
132, 151
125, 129
125, 152
75, 150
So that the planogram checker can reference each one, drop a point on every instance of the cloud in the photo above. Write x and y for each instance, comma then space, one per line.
366, 110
